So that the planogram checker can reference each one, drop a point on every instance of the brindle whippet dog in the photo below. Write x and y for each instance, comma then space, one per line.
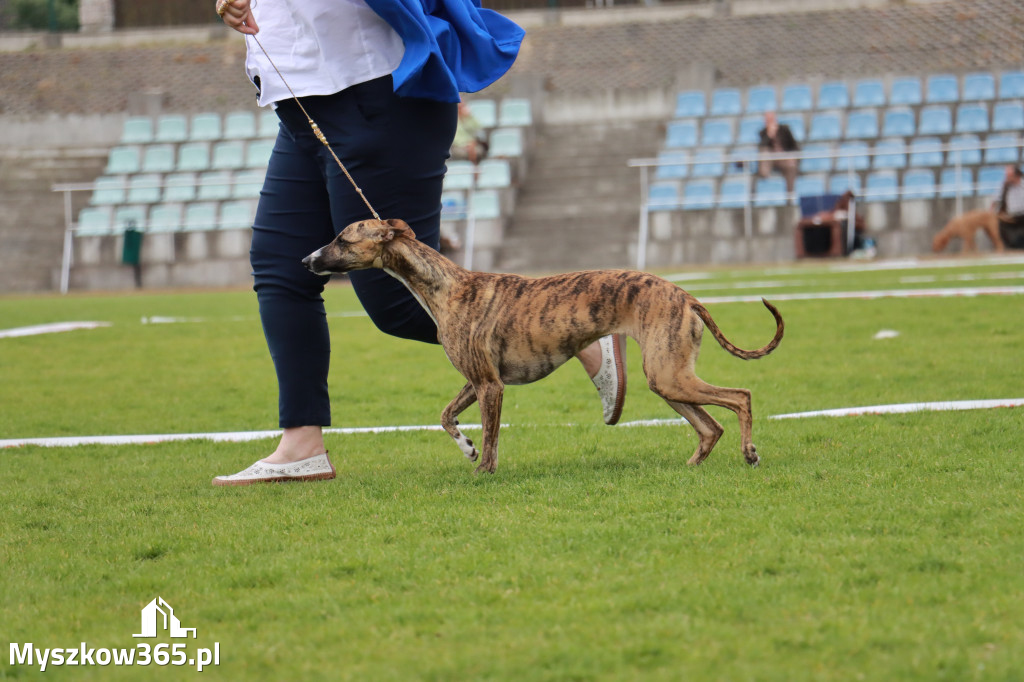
500, 329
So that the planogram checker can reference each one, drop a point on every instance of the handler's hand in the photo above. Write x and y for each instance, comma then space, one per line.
237, 14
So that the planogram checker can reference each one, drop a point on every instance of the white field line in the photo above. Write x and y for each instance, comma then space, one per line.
244, 436
49, 328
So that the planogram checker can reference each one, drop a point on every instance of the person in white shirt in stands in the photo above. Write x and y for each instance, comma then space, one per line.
1009, 205
384, 91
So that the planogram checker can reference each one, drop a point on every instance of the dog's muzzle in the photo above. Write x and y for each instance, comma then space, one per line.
310, 263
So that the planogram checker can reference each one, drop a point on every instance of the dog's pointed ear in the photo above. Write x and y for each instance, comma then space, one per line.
399, 228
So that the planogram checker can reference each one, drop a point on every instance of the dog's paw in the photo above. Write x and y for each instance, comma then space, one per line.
751, 456
466, 445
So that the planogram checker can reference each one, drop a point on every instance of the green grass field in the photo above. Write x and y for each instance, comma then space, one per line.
883, 547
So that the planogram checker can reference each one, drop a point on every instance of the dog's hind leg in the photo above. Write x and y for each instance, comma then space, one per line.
708, 430
450, 421
490, 395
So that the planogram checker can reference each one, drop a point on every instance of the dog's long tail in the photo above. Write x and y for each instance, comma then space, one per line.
780, 327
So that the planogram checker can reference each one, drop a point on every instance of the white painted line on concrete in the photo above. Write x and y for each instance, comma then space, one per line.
52, 328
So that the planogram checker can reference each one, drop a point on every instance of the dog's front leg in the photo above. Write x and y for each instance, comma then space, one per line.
490, 394
450, 421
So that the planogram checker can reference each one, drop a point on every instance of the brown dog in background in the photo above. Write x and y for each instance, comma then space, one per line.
965, 226
500, 329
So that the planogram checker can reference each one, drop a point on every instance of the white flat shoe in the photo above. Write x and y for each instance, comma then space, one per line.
315, 468
611, 378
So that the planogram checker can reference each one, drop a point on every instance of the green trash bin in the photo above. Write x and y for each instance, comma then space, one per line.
131, 253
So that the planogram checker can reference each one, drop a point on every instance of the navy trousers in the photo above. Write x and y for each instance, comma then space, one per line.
396, 149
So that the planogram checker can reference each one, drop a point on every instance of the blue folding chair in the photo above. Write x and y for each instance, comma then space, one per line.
972, 118
919, 184
862, 124
925, 151
898, 122
681, 134
906, 91
979, 86
869, 93
725, 102
797, 98
942, 88
882, 186
691, 104
890, 154
761, 99
935, 120
1008, 116
833, 95
825, 126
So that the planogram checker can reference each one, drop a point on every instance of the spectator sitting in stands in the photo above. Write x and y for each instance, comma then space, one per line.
1009, 205
775, 138
470, 142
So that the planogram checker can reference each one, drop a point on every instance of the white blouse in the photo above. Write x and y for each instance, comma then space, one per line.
321, 47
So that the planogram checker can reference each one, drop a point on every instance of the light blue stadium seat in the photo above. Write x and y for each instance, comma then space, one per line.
200, 216
1008, 116
816, 165
681, 134
494, 174
228, 155
215, 185
144, 188
1006, 154
964, 149
825, 126
165, 218
158, 158
698, 194
905, 91
1011, 85
881, 185
171, 128
760, 99
952, 183
717, 132
515, 112
672, 165
240, 125
269, 124
770, 192
979, 86
691, 104
726, 102
257, 153
94, 220
248, 184
990, 179
137, 130
862, 124
109, 190
833, 95
205, 127
894, 156
795, 122
925, 151
971, 118
797, 98
708, 163
453, 205
124, 160
460, 175
750, 130
126, 217
810, 185
741, 160
485, 204
935, 120
898, 122
485, 111
734, 192
237, 214
869, 93
942, 88
194, 156
919, 184
180, 187
505, 143
841, 182
853, 154
663, 196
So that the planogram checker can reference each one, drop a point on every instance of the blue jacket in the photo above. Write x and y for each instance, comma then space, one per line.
451, 46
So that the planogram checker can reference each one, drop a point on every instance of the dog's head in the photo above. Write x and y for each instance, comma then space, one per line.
358, 247
940, 242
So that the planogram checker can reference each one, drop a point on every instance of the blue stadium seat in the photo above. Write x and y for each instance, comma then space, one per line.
144, 188
717, 132
890, 154
708, 163
734, 192
726, 102
935, 120
494, 174
964, 149
869, 93
952, 183
109, 190
228, 155
841, 182
750, 130
194, 156
770, 192
200, 216
853, 155
925, 151
94, 220
919, 184
248, 184
123, 160
833, 95
741, 160
515, 112
158, 158
1008, 116
485, 204
990, 179
1011, 85
165, 218
898, 122
506, 143
1005, 154
453, 205
810, 185
691, 104
672, 165
460, 175
761, 99
126, 217
862, 124
942, 88
663, 196
979, 86
816, 165
797, 98
485, 111
882, 186
906, 91
180, 187
237, 214
171, 128
681, 134
205, 127
240, 125
215, 185
257, 153
796, 125
972, 118
137, 130
698, 194
825, 126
